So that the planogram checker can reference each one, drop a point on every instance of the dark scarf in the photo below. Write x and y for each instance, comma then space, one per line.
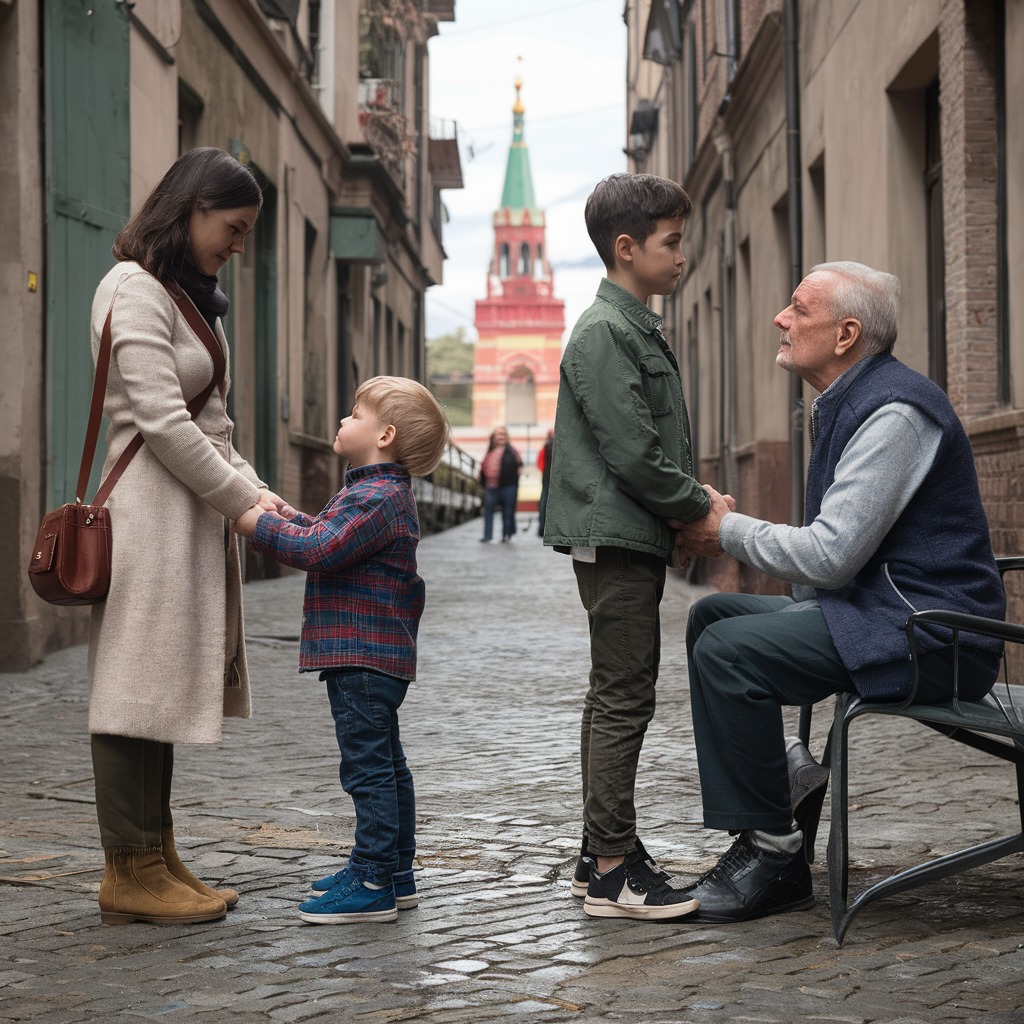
204, 291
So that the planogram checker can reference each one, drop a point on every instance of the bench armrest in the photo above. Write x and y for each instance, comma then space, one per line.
1009, 563
958, 622
961, 622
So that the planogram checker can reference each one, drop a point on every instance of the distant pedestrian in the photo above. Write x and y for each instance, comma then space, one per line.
544, 465
166, 647
499, 474
621, 467
360, 617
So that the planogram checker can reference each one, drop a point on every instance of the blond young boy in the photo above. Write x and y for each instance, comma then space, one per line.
361, 611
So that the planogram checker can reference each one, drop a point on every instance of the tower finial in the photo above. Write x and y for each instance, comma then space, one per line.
518, 107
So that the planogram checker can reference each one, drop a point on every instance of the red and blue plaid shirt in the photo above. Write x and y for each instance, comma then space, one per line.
363, 598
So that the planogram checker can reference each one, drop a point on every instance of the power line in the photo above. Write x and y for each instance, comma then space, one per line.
521, 17
504, 126
461, 314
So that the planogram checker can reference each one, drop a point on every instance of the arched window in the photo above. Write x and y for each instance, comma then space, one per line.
524, 260
538, 264
503, 260
520, 398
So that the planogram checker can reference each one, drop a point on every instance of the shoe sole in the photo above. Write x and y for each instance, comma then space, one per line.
600, 907
579, 889
108, 917
359, 918
804, 904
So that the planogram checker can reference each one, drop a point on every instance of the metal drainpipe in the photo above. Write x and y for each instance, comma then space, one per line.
791, 49
727, 268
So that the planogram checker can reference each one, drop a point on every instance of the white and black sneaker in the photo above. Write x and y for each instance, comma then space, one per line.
586, 862
581, 876
637, 888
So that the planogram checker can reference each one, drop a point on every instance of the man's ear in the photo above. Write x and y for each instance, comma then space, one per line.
623, 248
848, 335
387, 436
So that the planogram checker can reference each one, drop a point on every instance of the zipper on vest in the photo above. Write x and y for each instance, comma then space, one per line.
899, 593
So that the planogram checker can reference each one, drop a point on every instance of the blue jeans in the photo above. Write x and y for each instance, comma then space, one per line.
374, 771
506, 498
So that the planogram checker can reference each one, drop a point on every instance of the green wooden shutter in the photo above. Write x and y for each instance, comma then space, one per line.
86, 84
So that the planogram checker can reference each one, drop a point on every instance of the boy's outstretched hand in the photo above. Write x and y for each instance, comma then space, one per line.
268, 502
284, 510
246, 522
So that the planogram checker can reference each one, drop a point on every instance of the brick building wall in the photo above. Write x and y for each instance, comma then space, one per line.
966, 54
863, 198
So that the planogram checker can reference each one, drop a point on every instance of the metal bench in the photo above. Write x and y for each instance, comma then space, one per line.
994, 726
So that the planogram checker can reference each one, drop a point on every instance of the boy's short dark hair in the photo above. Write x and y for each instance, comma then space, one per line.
421, 427
631, 204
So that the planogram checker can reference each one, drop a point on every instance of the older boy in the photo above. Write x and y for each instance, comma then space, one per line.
361, 611
621, 468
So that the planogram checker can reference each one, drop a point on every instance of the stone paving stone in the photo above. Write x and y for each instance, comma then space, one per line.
491, 729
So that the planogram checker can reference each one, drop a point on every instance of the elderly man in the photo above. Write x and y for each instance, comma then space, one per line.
894, 523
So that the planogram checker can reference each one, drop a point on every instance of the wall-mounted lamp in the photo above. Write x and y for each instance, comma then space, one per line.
643, 127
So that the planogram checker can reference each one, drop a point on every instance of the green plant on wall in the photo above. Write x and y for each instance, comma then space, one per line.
450, 360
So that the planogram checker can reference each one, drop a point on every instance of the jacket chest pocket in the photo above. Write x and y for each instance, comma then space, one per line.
658, 381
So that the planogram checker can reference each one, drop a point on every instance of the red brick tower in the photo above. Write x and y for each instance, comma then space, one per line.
520, 323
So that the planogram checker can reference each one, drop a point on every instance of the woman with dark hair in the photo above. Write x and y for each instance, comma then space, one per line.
499, 474
166, 649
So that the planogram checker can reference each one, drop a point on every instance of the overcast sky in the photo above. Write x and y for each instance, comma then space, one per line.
573, 69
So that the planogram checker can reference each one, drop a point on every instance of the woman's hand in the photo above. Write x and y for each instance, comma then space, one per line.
268, 500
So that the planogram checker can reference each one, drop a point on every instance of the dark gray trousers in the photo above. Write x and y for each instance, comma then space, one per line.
748, 656
621, 592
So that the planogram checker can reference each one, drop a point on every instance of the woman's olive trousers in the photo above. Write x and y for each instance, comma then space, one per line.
133, 790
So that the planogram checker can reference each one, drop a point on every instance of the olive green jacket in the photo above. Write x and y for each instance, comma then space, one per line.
621, 464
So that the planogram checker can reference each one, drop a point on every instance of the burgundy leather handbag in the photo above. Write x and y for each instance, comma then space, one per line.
71, 558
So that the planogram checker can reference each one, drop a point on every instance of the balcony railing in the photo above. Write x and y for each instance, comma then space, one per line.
388, 131
378, 94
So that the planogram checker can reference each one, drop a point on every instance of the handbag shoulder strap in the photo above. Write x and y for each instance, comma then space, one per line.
99, 388
205, 334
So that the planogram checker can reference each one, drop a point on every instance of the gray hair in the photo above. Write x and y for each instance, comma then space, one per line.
870, 296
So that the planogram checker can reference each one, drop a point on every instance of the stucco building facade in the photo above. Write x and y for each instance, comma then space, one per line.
805, 131
328, 104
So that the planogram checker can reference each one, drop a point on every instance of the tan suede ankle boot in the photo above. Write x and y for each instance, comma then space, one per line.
137, 886
182, 873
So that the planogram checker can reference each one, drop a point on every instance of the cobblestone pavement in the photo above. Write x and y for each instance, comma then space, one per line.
491, 731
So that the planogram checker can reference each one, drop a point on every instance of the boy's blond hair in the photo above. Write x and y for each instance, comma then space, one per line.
421, 428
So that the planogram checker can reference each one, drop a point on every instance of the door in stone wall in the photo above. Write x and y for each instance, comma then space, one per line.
86, 87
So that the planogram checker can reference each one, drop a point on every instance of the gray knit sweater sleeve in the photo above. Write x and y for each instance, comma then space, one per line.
877, 475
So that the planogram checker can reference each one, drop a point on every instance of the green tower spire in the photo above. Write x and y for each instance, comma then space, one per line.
518, 191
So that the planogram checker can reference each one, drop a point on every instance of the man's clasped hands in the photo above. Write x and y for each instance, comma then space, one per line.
700, 538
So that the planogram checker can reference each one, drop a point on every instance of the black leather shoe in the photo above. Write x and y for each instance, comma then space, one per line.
808, 781
749, 882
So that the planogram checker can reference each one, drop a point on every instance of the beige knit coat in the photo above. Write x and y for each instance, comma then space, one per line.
166, 648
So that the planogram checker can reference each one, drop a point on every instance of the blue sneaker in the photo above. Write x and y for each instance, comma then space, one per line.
406, 896
348, 901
